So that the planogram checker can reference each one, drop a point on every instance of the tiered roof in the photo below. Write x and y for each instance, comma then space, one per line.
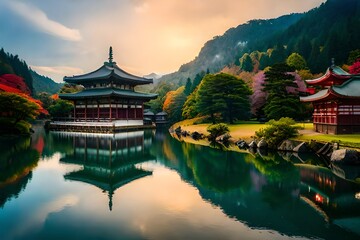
339, 83
349, 89
334, 76
107, 92
109, 71
106, 82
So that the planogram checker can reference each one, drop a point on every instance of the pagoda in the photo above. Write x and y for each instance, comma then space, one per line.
337, 105
108, 102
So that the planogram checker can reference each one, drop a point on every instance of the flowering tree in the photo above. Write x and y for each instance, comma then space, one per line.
355, 68
258, 98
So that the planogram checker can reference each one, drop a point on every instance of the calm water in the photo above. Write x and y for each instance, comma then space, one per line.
146, 185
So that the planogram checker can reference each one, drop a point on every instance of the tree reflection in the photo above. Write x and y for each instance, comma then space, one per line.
17, 160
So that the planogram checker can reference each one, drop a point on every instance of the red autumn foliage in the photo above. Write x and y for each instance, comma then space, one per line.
15, 81
55, 96
15, 84
355, 68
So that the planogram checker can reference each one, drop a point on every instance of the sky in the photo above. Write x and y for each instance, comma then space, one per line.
71, 37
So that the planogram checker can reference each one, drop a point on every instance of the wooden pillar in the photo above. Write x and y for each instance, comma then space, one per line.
85, 110
117, 110
74, 111
110, 108
98, 110
127, 110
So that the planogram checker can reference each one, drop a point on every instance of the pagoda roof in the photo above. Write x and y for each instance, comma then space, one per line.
108, 71
334, 76
349, 89
108, 183
107, 92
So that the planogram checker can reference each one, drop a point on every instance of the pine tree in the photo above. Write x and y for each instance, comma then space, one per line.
279, 102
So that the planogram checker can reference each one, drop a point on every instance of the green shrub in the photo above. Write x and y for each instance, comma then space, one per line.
217, 130
278, 131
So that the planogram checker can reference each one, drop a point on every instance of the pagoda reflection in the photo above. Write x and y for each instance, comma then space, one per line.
109, 161
332, 196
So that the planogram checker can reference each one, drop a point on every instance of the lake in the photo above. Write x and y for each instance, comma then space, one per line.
147, 185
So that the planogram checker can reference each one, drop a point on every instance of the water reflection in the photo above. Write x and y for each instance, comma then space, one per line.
157, 187
108, 161
17, 160
267, 190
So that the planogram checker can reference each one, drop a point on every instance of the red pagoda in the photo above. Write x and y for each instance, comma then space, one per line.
108, 102
337, 105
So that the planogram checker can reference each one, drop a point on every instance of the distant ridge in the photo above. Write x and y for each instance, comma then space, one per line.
44, 84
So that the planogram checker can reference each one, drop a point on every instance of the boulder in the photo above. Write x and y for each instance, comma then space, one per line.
262, 144
223, 138
242, 144
287, 146
302, 147
252, 144
345, 156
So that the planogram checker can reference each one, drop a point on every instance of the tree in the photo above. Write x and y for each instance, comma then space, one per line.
279, 102
188, 87
246, 63
46, 99
18, 107
15, 112
197, 80
189, 109
278, 131
61, 108
296, 61
225, 94
258, 98
217, 130
355, 67
173, 104
354, 56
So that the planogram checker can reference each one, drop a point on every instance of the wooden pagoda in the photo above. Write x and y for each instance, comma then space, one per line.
337, 105
108, 102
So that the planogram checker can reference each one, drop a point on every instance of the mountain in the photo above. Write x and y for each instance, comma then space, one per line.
329, 31
11, 64
44, 84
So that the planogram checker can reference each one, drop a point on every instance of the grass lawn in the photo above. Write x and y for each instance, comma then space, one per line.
246, 129
346, 140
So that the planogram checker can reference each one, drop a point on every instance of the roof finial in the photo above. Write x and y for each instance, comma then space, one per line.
110, 55
332, 62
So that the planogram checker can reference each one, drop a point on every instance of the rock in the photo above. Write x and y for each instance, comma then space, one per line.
345, 156
223, 138
287, 145
326, 150
302, 147
252, 144
242, 144
262, 144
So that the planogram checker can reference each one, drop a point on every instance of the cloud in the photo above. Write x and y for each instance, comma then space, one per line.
58, 72
40, 20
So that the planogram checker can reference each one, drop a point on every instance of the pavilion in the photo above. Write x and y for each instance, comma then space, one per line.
337, 105
108, 103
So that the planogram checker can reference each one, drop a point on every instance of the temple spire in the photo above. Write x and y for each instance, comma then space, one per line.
110, 55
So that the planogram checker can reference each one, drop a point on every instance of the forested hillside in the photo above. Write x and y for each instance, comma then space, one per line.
44, 84
11, 64
329, 31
